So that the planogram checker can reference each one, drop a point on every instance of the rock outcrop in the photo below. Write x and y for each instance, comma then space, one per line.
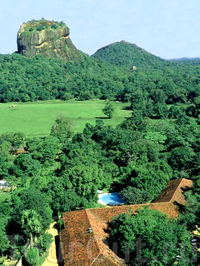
48, 38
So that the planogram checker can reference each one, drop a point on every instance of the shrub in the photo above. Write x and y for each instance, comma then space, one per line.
2, 262
63, 128
132, 195
44, 242
108, 109
85, 95
40, 28
54, 26
67, 96
32, 256
175, 112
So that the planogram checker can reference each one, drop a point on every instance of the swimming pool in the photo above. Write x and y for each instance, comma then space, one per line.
110, 198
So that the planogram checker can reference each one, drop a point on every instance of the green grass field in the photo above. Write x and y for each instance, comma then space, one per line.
36, 118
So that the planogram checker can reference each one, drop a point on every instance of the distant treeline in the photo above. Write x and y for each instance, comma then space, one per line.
30, 79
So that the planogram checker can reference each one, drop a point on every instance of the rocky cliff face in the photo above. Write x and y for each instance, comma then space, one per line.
48, 38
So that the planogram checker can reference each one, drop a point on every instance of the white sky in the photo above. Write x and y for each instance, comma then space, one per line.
167, 28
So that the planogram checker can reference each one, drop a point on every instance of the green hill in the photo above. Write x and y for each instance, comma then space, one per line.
127, 55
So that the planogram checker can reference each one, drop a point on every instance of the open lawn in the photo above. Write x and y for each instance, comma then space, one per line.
36, 118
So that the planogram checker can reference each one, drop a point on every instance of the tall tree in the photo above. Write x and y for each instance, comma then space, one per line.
31, 225
108, 109
150, 238
4, 242
63, 128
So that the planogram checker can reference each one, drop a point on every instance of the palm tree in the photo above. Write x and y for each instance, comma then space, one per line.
31, 224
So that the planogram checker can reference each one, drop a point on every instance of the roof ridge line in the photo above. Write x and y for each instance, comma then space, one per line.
100, 251
161, 202
130, 205
171, 200
113, 261
96, 215
95, 259
117, 264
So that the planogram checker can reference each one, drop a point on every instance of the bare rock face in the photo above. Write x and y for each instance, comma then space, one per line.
48, 38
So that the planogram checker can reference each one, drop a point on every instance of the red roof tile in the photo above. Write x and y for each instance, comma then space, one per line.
84, 235
174, 191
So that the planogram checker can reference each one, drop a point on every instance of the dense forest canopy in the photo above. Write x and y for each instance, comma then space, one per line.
59, 174
125, 54
41, 78
63, 171
156, 245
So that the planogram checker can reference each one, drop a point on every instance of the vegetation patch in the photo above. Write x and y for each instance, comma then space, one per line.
42, 24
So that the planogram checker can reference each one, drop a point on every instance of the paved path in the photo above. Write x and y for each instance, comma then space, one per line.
51, 260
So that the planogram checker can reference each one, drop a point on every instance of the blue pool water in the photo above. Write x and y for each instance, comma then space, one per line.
111, 198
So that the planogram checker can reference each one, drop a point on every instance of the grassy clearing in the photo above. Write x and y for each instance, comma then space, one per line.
36, 118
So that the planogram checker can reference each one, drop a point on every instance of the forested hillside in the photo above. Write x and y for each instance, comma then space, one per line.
40, 78
125, 54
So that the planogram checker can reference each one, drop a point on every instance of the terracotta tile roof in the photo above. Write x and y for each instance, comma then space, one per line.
174, 191
106, 214
83, 247
84, 235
